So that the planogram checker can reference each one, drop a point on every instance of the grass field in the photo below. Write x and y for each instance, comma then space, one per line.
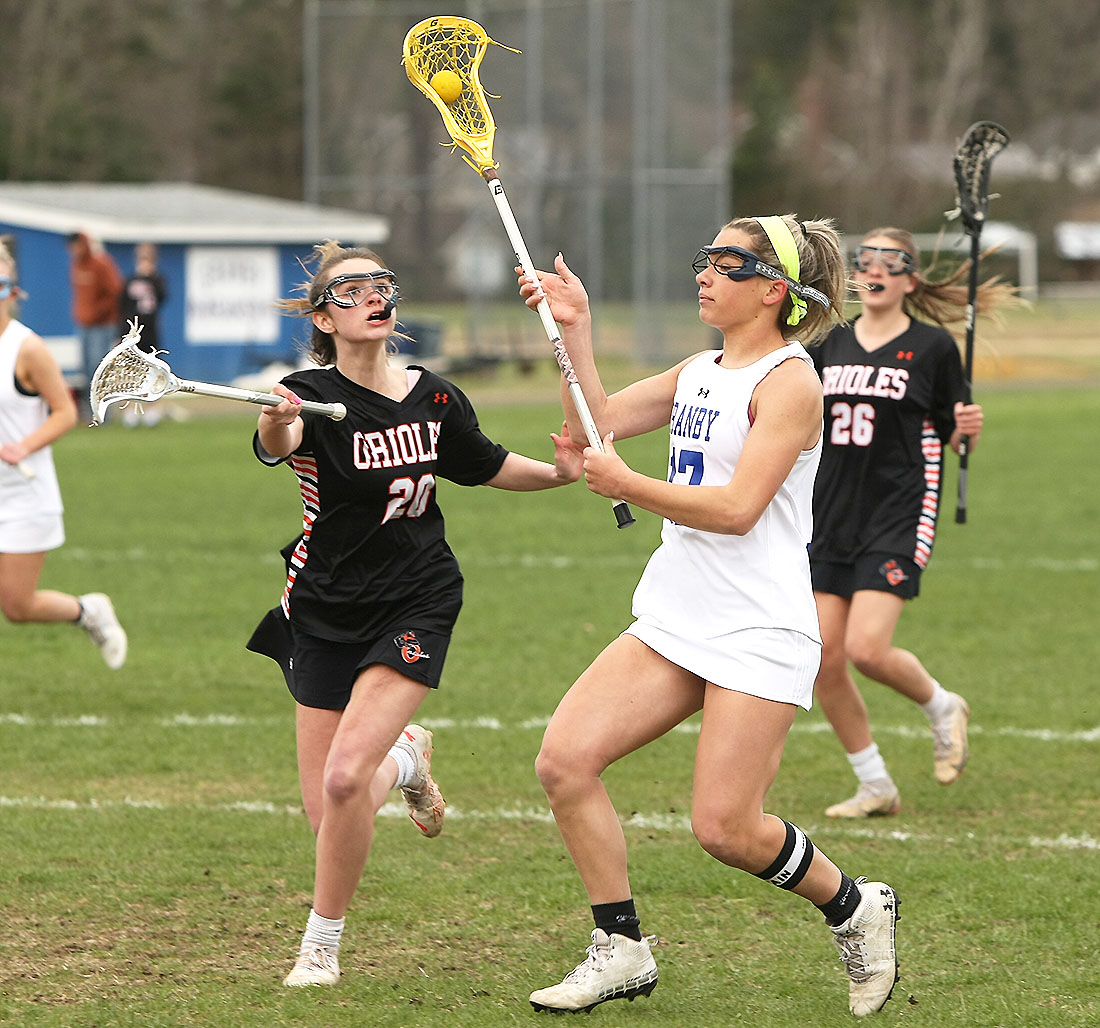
155, 867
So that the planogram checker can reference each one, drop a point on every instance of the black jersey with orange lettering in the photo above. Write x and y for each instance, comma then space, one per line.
888, 416
372, 551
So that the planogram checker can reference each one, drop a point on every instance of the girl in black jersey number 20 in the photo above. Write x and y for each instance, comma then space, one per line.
372, 590
725, 619
893, 387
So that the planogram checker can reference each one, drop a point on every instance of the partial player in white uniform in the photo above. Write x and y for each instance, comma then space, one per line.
36, 409
725, 612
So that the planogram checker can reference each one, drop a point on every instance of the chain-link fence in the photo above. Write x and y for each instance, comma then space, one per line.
613, 137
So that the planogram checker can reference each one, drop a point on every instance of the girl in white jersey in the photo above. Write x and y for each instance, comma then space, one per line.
725, 612
36, 408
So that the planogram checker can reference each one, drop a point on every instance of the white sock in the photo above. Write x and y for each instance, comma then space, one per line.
941, 703
868, 764
406, 765
322, 931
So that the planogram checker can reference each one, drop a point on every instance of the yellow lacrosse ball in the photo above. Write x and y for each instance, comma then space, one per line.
448, 85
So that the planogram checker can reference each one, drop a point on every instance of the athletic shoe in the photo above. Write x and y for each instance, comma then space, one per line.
616, 968
949, 739
98, 619
316, 965
866, 945
425, 801
871, 800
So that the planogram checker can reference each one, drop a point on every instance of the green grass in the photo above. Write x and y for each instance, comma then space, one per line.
155, 868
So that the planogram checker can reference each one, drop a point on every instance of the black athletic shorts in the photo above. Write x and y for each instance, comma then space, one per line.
878, 571
320, 673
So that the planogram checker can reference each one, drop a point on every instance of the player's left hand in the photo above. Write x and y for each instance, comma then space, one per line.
969, 419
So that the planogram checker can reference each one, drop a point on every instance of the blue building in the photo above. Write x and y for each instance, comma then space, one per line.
226, 256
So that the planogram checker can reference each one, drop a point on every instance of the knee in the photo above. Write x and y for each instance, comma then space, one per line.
724, 836
866, 655
15, 610
558, 769
342, 784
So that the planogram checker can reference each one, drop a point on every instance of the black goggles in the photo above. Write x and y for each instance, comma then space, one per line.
352, 290
745, 265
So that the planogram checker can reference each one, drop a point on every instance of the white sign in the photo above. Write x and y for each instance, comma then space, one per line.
231, 294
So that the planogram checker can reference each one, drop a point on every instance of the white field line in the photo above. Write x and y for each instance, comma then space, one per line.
540, 815
492, 724
565, 561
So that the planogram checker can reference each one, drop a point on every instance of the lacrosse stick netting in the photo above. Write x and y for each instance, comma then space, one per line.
973, 162
457, 45
129, 373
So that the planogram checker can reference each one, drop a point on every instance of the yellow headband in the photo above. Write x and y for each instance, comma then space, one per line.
786, 249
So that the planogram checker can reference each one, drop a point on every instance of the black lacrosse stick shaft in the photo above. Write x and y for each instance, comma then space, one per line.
968, 375
983, 141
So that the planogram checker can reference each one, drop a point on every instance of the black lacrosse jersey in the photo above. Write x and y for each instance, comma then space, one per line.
372, 552
888, 417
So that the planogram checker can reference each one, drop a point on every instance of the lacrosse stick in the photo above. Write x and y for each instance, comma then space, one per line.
441, 58
130, 373
973, 161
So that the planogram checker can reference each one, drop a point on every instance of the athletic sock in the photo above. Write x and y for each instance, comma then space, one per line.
322, 931
843, 905
618, 919
868, 764
940, 704
406, 766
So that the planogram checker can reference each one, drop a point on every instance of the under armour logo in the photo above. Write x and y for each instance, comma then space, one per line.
704, 393
442, 397
905, 355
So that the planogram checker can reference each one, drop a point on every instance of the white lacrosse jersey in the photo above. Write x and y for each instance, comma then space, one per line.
705, 585
20, 414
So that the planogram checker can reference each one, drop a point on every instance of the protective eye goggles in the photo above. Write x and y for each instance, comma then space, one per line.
352, 290
892, 261
7, 287
739, 265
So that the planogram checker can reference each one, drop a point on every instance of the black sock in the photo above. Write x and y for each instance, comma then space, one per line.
618, 919
843, 905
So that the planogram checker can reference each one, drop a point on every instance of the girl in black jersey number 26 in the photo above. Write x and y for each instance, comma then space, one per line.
725, 619
372, 590
893, 383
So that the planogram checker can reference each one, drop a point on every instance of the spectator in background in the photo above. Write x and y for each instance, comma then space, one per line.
97, 288
142, 296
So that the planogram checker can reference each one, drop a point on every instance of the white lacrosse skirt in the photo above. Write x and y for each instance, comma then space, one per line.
32, 535
773, 663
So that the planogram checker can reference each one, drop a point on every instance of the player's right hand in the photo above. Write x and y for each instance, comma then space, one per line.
287, 412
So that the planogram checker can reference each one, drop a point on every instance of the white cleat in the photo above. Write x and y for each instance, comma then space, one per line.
952, 750
615, 968
867, 950
423, 798
98, 619
316, 965
872, 799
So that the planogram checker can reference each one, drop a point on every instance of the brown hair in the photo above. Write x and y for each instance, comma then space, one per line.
821, 264
944, 300
320, 347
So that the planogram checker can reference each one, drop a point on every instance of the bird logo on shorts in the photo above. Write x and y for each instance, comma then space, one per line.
893, 573
409, 646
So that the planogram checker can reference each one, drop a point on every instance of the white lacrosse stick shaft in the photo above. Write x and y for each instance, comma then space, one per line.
576, 394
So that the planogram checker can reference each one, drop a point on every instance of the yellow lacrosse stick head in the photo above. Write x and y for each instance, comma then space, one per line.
445, 49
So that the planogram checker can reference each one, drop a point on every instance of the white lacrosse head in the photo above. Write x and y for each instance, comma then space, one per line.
129, 373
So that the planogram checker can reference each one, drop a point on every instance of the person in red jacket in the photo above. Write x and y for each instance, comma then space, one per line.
97, 286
